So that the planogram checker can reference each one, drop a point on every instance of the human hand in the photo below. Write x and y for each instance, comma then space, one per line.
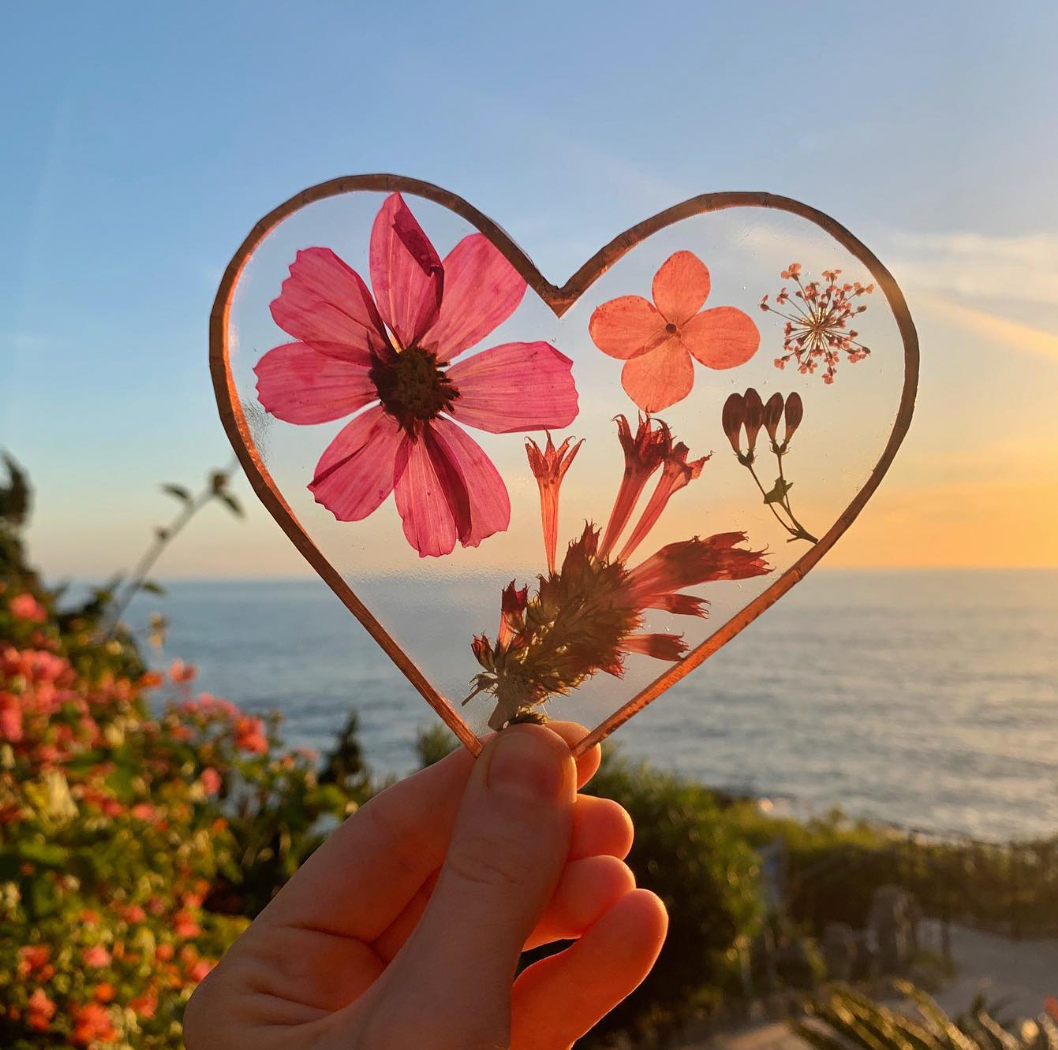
404, 930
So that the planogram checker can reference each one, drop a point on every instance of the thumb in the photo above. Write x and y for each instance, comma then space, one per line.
507, 851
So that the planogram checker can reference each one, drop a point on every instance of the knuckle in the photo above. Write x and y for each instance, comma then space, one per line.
490, 859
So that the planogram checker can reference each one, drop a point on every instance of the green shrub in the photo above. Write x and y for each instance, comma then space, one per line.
133, 848
690, 854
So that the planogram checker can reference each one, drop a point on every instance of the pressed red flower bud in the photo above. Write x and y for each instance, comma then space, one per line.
754, 417
795, 411
772, 415
733, 417
512, 612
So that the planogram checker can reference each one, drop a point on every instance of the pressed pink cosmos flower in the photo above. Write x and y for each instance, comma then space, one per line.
657, 340
395, 350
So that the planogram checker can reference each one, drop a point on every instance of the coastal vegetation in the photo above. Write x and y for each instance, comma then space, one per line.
143, 823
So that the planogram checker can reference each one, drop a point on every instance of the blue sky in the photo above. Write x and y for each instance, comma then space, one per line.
142, 141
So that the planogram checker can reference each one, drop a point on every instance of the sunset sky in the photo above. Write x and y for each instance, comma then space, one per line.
141, 142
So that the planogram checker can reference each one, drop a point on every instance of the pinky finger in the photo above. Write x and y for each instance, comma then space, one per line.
558, 999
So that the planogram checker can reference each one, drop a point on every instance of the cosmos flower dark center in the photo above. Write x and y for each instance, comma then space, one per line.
413, 387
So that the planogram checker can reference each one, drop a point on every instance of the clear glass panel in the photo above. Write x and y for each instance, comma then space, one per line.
428, 435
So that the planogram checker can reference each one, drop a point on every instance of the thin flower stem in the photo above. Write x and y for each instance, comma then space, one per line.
163, 538
802, 533
764, 493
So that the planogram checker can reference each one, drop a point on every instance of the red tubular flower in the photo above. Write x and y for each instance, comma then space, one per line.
772, 416
795, 411
687, 563
660, 646
677, 474
754, 418
549, 468
644, 453
512, 613
734, 416
394, 351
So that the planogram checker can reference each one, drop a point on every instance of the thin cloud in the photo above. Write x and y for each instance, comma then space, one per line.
1010, 334
974, 265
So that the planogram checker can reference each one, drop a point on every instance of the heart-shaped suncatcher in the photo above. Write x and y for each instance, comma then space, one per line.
543, 496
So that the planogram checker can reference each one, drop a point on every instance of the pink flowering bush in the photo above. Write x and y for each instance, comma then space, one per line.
134, 845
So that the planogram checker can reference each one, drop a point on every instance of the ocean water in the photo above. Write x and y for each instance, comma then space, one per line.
927, 699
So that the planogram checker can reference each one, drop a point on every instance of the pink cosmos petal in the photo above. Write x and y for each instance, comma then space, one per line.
425, 496
406, 272
489, 504
722, 337
326, 304
356, 471
481, 290
626, 326
660, 378
515, 387
681, 287
300, 385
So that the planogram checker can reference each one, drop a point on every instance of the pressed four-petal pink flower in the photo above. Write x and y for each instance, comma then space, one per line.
657, 340
395, 348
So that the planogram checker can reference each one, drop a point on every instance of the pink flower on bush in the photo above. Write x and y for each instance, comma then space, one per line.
250, 735
34, 961
145, 1005
133, 914
91, 1024
211, 781
10, 718
185, 925
39, 1011
199, 970
394, 350
97, 956
26, 607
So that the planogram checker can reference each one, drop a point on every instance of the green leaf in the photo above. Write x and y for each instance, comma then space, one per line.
778, 493
177, 492
152, 588
120, 782
46, 854
231, 503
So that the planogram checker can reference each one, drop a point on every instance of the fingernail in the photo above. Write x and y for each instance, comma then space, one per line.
524, 764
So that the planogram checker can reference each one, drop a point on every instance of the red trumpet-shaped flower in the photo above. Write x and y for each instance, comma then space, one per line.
588, 614
743, 413
644, 453
549, 467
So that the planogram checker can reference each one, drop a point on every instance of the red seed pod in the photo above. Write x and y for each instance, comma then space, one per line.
773, 414
754, 417
734, 416
795, 411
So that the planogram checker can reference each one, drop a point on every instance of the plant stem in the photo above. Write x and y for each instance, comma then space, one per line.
764, 493
802, 533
